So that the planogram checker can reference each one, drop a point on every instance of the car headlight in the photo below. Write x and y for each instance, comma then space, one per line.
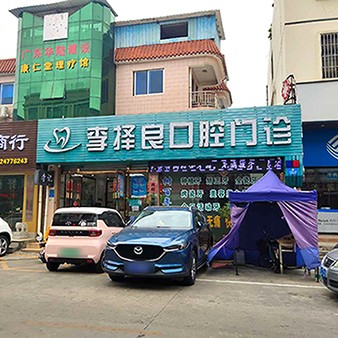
175, 247
111, 245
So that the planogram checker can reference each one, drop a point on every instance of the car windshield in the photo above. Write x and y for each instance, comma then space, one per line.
175, 219
75, 219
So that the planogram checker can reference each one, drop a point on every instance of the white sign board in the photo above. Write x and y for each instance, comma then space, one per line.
327, 221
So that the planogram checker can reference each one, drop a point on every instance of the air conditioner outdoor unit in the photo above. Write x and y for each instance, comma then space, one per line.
4, 112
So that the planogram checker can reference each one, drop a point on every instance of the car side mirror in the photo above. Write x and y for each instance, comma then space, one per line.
200, 224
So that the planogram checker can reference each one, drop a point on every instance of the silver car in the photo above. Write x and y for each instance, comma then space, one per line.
329, 270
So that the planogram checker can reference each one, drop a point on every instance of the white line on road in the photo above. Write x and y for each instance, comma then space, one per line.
260, 283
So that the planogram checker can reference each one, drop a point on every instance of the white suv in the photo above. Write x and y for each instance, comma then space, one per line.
6, 237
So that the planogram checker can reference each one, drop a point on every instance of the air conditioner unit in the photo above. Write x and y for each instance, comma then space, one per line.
4, 112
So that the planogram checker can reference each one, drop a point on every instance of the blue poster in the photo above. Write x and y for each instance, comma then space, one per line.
120, 185
321, 148
138, 186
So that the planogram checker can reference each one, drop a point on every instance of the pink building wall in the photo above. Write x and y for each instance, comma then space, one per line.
176, 83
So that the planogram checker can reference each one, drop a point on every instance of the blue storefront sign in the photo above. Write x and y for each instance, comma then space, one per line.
321, 148
138, 186
215, 134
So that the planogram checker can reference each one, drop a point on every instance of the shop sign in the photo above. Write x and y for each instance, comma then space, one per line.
60, 52
138, 186
321, 148
17, 145
233, 165
206, 134
292, 171
44, 177
327, 221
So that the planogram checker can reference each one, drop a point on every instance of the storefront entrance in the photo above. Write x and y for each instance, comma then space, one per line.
125, 190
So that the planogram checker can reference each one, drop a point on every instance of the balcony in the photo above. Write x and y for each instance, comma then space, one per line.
209, 99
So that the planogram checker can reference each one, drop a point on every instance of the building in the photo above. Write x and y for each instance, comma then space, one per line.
144, 119
18, 195
304, 48
7, 80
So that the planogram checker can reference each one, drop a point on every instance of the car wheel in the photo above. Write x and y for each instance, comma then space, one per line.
190, 279
98, 266
4, 245
116, 278
52, 266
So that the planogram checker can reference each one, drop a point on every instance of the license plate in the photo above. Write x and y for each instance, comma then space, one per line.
323, 272
138, 268
69, 253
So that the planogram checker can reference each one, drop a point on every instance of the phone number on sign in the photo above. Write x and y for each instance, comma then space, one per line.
13, 160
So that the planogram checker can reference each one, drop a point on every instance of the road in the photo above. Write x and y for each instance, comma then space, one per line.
76, 302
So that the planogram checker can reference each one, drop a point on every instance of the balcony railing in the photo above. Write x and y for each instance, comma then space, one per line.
206, 99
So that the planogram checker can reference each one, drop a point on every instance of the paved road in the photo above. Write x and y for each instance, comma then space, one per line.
76, 302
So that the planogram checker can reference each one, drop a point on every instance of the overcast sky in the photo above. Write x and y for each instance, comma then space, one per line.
245, 22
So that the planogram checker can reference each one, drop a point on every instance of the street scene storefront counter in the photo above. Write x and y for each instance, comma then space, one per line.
188, 158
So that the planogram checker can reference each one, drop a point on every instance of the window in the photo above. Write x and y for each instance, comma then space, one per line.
329, 44
148, 82
6, 93
176, 30
111, 219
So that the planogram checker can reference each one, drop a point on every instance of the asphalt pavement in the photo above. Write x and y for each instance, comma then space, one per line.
76, 302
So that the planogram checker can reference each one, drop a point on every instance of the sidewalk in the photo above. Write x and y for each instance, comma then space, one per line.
326, 243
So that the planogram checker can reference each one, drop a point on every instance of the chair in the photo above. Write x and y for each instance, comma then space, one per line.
285, 244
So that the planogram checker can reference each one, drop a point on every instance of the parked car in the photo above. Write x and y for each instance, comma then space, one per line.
166, 242
6, 237
329, 269
79, 235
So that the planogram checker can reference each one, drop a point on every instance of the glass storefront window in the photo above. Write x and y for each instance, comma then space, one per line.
11, 198
207, 192
325, 181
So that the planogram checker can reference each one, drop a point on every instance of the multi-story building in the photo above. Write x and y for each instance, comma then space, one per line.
18, 196
136, 112
304, 46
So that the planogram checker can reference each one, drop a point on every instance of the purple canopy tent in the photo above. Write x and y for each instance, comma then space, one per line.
269, 205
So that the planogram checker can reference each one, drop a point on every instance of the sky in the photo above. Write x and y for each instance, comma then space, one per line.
245, 48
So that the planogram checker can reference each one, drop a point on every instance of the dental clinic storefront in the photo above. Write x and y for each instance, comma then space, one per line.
187, 158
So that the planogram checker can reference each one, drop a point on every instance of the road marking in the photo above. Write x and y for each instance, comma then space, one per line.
260, 283
25, 270
91, 327
4, 265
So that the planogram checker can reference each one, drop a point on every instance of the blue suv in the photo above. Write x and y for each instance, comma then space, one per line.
168, 242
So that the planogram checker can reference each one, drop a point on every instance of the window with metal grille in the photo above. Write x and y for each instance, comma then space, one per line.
329, 44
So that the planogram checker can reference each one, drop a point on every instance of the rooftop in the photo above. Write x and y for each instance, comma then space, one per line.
7, 66
216, 13
169, 50
70, 6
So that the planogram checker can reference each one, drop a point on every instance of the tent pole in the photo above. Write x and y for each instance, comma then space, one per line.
235, 260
